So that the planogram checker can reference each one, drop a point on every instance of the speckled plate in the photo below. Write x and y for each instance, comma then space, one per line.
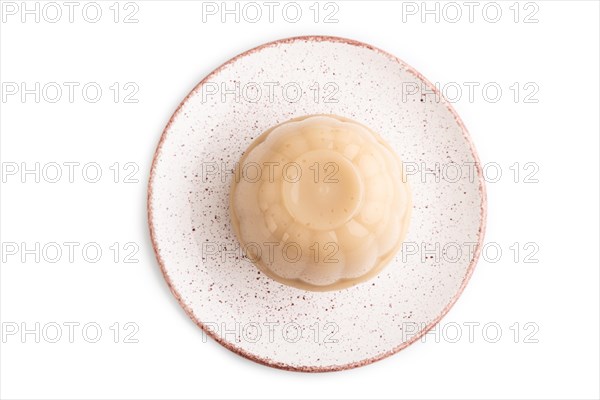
203, 263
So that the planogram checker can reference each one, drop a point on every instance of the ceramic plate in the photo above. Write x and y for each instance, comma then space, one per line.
278, 325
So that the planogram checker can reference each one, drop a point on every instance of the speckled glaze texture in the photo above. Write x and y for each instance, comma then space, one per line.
201, 259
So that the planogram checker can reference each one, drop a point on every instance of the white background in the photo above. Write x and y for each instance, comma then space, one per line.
165, 54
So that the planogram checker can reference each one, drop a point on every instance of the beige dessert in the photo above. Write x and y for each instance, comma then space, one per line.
320, 203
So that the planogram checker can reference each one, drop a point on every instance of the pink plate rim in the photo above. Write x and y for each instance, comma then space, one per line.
283, 366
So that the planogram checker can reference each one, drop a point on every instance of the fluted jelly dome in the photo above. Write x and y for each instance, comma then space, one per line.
320, 203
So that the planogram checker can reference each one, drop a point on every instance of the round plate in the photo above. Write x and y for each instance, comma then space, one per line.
278, 325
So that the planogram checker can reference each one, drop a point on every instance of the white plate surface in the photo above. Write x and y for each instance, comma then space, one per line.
282, 326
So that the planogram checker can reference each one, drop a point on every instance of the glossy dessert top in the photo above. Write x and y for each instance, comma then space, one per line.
320, 203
